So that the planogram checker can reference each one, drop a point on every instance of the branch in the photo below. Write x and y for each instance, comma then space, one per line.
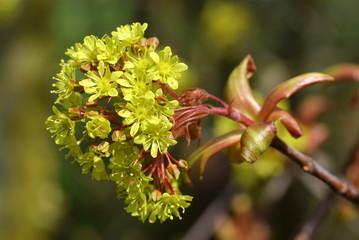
309, 165
322, 210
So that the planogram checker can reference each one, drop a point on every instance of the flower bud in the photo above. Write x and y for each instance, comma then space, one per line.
172, 169
75, 113
118, 136
255, 140
92, 114
152, 42
156, 195
182, 164
161, 100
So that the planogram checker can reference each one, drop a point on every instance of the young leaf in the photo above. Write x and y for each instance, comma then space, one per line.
288, 88
255, 140
287, 120
214, 146
238, 92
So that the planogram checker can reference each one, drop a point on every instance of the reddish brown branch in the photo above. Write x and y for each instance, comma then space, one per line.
310, 166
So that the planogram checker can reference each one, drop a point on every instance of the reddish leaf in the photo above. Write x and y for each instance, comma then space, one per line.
238, 91
212, 147
288, 88
287, 120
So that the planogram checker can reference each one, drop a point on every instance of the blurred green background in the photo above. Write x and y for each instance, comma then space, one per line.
43, 196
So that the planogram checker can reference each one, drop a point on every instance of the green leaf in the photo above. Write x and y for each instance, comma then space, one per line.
255, 140
205, 152
238, 91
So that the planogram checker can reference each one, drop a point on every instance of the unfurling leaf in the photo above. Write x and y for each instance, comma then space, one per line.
287, 120
288, 88
255, 140
238, 91
214, 146
269, 112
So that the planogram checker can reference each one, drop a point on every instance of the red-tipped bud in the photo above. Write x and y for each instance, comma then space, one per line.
152, 42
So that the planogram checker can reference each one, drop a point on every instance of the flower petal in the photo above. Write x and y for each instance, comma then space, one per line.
155, 57
180, 67
112, 92
87, 83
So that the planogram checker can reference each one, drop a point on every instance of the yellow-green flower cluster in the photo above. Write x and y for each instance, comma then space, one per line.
113, 115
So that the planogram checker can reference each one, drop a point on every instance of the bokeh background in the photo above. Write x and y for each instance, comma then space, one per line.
43, 196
